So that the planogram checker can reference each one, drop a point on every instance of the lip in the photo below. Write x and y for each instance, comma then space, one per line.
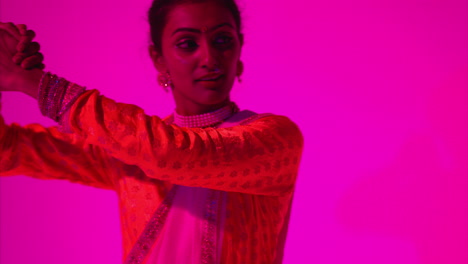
210, 77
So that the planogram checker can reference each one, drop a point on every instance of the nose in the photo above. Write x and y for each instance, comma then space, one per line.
208, 57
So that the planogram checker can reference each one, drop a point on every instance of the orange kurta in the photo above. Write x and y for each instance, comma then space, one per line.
116, 146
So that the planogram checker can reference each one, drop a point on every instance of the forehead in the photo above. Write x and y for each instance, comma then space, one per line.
197, 16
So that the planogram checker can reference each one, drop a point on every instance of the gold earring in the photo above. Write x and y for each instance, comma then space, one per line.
240, 70
164, 80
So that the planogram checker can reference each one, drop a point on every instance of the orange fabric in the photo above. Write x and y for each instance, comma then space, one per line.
46, 153
256, 164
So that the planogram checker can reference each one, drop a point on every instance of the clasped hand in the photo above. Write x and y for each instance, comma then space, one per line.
20, 60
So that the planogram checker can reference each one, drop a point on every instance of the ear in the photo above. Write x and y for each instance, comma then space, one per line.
157, 58
240, 68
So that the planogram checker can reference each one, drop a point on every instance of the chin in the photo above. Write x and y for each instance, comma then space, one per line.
214, 99
215, 96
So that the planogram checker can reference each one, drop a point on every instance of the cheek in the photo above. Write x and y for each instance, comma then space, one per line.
231, 59
231, 56
181, 68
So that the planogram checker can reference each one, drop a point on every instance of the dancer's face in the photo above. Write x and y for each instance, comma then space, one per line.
200, 50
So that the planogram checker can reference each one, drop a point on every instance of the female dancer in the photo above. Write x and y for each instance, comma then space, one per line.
208, 184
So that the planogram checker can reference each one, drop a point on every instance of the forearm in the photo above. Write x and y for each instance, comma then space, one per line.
46, 153
260, 158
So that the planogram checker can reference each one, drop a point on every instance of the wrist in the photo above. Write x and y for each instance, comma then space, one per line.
30, 85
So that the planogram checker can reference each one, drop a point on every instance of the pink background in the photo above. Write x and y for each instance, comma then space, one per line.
379, 89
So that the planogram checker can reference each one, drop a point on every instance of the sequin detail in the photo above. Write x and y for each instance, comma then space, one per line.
57, 95
147, 238
208, 254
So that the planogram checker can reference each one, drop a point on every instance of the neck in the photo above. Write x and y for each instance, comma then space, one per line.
192, 108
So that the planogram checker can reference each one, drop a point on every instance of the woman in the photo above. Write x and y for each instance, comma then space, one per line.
208, 184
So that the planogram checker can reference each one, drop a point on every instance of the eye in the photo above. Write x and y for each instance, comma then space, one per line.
187, 44
223, 41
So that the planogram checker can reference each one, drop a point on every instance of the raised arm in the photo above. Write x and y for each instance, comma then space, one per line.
34, 150
46, 153
259, 158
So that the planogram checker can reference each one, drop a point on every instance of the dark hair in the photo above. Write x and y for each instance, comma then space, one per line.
160, 9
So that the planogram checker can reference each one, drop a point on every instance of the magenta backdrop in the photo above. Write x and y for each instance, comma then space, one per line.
379, 89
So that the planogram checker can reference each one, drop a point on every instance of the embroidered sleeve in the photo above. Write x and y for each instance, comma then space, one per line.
46, 153
258, 158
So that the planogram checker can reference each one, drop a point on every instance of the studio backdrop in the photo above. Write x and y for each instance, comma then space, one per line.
378, 88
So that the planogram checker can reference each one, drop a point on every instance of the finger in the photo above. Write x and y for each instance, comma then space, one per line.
22, 29
11, 28
32, 61
31, 48
25, 40
18, 58
30, 34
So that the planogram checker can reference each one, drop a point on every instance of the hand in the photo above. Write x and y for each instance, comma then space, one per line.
28, 55
12, 76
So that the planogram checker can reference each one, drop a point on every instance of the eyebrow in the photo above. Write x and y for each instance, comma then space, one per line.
194, 30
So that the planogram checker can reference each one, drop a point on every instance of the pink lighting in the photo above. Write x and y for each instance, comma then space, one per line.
378, 88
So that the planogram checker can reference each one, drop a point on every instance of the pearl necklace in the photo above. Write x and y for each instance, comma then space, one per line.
206, 120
